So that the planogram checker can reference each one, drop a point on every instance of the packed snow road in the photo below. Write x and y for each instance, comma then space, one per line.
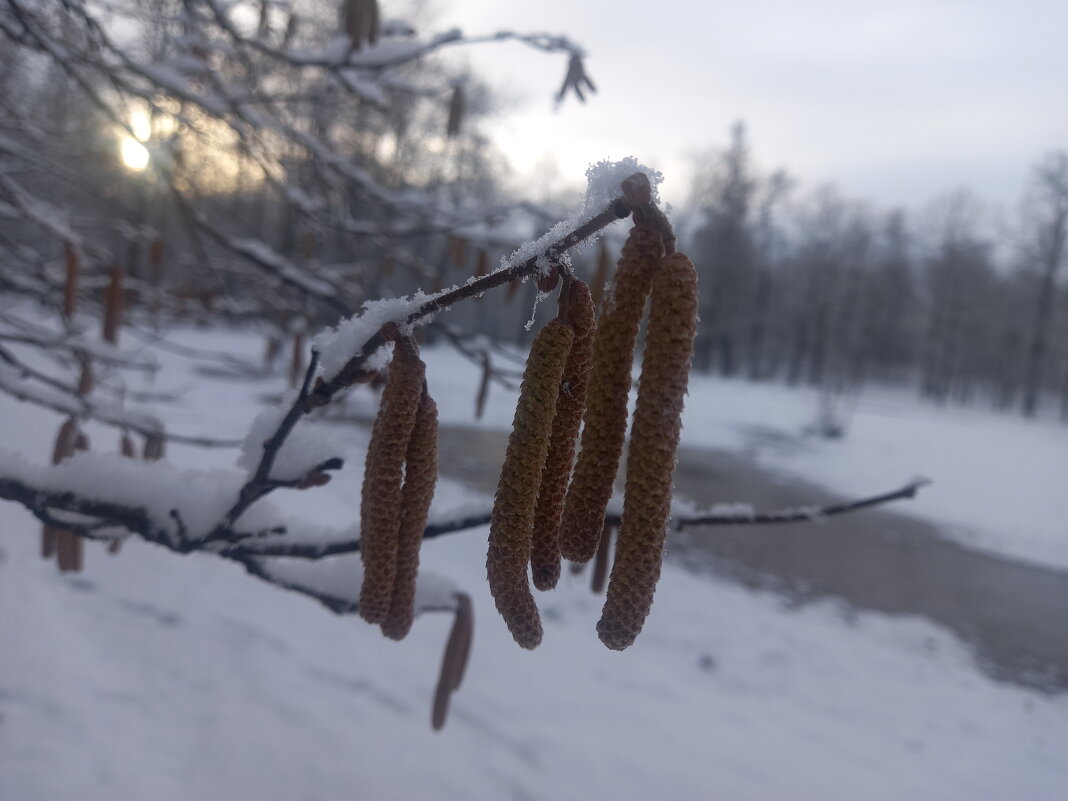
1010, 613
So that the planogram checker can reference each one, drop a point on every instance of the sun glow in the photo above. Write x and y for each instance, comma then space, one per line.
134, 154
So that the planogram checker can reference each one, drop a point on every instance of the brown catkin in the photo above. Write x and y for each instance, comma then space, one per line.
513, 289
296, 360
70, 548
454, 660
271, 351
129, 450
517, 492
64, 447
420, 476
113, 306
601, 561
545, 545
600, 274
380, 498
457, 103
361, 21
654, 439
154, 447
457, 251
77, 544
606, 402
483, 386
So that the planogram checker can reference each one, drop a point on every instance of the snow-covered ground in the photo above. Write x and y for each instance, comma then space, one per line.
999, 481
165, 677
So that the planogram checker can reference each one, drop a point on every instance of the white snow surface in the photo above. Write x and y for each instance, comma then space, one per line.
307, 446
158, 676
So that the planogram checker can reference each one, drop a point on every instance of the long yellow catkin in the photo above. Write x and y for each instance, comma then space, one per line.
517, 492
606, 402
420, 476
654, 440
545, 545
380, 499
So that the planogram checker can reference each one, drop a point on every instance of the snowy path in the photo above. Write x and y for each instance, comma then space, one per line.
888, 561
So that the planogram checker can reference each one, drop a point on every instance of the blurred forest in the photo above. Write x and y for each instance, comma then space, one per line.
812, 287
247, 160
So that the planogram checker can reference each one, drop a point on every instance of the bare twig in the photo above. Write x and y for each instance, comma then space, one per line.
803, 513
353, 370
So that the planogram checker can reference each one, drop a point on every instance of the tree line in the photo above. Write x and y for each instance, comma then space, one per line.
813, 288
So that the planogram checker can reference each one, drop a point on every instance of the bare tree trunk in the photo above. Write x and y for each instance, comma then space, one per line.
1036, 355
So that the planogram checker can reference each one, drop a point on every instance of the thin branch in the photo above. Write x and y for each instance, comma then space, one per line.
353, 370
261, 483
801, 514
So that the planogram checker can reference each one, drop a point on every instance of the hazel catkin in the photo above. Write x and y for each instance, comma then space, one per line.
64, 447
517, 491
70, 548
113, 297
380, 498
127, 449
602, 561
454, 660
154, 447
571, 403
420, 476
654, 440
606, 402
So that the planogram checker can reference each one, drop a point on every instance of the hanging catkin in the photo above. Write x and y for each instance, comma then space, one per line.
153, 448
420, 476
296, 360
70, 548
454, 661
113, 296
600, 274
127, 449
64, 447
517, 492
601, 561
545, 546
483, 385
654, 440
606, 402
380, 498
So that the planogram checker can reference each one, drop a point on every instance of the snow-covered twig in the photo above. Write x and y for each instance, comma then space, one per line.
732, 515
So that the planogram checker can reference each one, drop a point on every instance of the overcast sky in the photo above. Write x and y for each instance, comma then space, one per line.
895, 102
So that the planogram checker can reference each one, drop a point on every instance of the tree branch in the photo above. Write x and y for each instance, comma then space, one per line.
353, 370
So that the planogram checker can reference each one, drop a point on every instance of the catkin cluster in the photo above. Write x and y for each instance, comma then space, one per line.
606, 404
398, 485
512, 520
654, 439
420, 476
578, 372
570, 404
